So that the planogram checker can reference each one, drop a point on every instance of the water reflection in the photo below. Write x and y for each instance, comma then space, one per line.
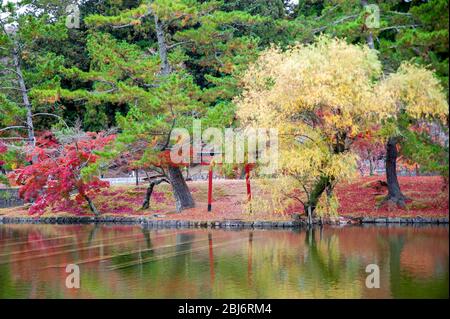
136, 262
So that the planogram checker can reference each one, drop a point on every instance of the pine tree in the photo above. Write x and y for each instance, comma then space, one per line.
24, 71
172, 52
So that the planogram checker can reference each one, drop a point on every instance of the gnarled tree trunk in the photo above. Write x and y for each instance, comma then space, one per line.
181, 191
148, 194
322, 185
394, 193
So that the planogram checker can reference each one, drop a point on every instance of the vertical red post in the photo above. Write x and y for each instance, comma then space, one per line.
247, 180
210, 178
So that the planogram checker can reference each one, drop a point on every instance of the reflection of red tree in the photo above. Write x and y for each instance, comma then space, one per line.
211, 258
356, 241
422, 254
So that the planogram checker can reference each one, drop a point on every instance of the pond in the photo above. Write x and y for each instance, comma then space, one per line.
136, 262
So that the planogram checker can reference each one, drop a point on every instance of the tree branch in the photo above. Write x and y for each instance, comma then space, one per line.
12, 128
397, 27
169, 47
53, 115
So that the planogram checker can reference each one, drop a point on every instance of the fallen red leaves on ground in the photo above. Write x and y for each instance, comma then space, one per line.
427, 197
358, 198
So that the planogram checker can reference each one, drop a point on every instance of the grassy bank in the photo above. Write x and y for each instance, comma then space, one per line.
359, 198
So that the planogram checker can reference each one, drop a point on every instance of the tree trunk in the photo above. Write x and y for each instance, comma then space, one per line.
371, 166
394, 193
319, 188
92, 206
148, 194
181, 191
369, 37
26, 101
370, 42
162, 47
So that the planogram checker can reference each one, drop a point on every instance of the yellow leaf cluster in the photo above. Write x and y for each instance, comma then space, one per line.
414, 90
330, 77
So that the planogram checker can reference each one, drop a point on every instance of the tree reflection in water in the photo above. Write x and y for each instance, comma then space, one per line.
138, 262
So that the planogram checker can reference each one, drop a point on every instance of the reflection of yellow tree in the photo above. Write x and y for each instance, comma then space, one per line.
330, 275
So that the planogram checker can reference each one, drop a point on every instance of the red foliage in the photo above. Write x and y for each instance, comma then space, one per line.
56, 174
3, 149
46, 139
369, 150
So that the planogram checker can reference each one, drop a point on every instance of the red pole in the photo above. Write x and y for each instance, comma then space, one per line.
210, 178
247, 180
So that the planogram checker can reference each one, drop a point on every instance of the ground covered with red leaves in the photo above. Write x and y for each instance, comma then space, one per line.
427, 197
359, 198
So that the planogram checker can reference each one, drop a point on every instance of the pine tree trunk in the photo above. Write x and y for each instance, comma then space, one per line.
181, 191
162, 47
394, 193
148, 194
25, 99
369, 37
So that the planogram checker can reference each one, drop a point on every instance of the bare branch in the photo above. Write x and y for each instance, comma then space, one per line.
53, 115
12, 128
343, 19
178, 44
398, 27
12, 88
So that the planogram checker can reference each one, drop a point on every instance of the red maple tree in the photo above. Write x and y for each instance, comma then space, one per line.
55, 179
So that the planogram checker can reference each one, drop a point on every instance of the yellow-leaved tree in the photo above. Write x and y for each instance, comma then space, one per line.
319, 97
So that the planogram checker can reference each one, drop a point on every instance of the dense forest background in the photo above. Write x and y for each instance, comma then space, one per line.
144, 67
58, 63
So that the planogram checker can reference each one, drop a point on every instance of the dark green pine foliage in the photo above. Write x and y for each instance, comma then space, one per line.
28, 70
165, 63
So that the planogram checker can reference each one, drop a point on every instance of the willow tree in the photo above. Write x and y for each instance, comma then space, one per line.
319, 97
411, 94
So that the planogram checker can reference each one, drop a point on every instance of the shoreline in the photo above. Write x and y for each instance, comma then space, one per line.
236, 224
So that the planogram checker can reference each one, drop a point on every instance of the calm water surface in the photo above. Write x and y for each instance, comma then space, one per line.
134, 262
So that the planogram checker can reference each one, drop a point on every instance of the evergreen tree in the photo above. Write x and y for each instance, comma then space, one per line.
26, 72
177, 62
